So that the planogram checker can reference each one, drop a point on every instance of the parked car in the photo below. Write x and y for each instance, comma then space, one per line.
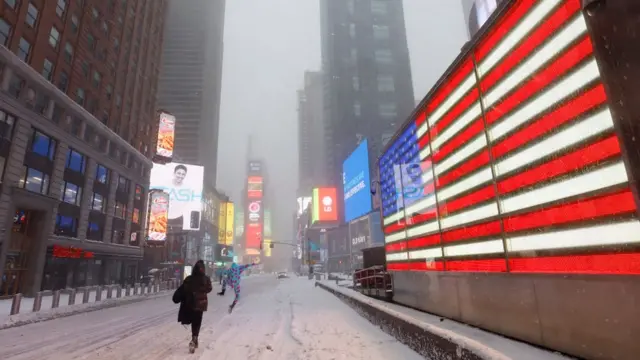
283, 275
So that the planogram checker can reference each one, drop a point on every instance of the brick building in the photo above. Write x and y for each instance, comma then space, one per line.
78, 80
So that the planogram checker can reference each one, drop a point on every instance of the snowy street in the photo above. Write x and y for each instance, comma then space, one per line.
275, 319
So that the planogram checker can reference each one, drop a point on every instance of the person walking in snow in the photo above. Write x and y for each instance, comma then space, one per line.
192, 296
232, 279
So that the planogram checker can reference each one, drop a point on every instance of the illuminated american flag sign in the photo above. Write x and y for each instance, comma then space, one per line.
515, 159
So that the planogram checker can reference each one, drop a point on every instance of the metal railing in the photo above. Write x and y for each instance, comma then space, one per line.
373, 281
110, 292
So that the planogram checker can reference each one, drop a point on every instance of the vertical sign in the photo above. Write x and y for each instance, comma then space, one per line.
222, 223
166, 136
158, 215
228, 237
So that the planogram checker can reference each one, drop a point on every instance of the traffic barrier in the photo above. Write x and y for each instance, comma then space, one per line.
72, 297
15, 304
37, 301
85, 295
98, 293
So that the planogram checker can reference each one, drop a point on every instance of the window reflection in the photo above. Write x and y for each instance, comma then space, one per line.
35, 181
66, 226
72, 193
43, 145
75, 161
102, 174
98, 203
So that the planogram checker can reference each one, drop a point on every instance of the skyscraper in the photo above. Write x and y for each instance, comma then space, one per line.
368, 91
190, 79
311, 134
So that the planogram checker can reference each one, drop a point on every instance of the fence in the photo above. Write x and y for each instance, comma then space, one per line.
85, 295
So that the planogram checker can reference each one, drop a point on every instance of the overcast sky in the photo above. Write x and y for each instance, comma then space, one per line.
268, 46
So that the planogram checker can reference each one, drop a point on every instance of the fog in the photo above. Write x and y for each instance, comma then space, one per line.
268, 46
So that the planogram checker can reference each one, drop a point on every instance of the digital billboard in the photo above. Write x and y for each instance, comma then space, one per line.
357, 183
183, 183
254, 187
166, 135
222, 223
324, 207
228, 236
158, 215
255, 167
253, 229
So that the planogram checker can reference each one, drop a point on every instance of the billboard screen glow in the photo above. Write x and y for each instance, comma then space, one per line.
253, 229
254, 187
356, 183
222, 222
529, 201
324, 205
183, 183
158, 215
166, 135
228, 236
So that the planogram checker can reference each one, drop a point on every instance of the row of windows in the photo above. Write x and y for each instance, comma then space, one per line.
386, 83
380, 32
386, 110
378, 7
68, 226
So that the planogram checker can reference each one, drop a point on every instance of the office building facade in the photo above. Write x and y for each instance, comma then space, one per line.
78, 127
311, 134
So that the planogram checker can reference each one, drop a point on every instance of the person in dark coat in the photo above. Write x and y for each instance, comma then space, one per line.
192, 296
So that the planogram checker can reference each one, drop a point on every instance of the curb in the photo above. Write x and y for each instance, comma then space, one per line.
424, 341
32, 318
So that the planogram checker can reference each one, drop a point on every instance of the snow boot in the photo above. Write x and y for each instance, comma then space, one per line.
192, 345
195, 341
231, 308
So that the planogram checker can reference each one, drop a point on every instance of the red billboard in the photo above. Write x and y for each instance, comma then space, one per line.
254, 187
254, 221
324, 208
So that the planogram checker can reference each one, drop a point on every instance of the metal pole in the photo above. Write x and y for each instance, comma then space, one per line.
119, 291
37, 301
15, 304
109, 291
72, 297
98, 293
55, 300
85, 295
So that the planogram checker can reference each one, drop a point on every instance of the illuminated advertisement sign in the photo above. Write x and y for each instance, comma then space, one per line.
324, 207
267, 223
158, 215
528, 201
166, 135
228, 236
255, 167
183, 183
253, 229
356, 183
254, 187
222, 223
303, 203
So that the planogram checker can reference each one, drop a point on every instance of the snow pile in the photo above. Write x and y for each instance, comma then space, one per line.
27, 316
484, 344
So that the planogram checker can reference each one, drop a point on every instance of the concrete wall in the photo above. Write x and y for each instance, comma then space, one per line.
593, 317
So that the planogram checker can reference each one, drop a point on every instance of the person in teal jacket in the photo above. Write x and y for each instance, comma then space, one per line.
232, 279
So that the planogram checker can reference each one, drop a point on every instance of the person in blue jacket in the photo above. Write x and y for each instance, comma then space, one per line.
232, 279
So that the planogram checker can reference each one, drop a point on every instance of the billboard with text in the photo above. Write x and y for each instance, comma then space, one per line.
324, 205
183, 183
357, 183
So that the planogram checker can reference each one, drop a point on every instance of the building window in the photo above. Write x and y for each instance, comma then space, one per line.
54, 37
94, 232
71, 193
120, 210
350, 6
68, 53
109, 91
85, 68
118, 101
32, 15
6, 128
387, 110
378, 7
66, 226
102, 174
91, 41
386, 83
61, 7
124, 184
11, 3
383, 56
80, 96
105, 28
98, 203
352, 30
75, 23
97, 78
43, 145
139, 193
380, 32
47, 70
35, 181
354, 55
5, 32
24, 48
136, 216
76, 161
116, 45
357, 109
95, 14
63, 81
356, 83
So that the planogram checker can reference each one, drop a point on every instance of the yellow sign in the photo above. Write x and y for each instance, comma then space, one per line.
222, 223
267, 248
228, 237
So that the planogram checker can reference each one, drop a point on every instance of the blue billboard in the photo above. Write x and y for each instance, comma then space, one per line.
356, 183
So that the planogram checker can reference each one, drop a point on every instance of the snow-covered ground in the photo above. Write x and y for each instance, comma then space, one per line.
286, 319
